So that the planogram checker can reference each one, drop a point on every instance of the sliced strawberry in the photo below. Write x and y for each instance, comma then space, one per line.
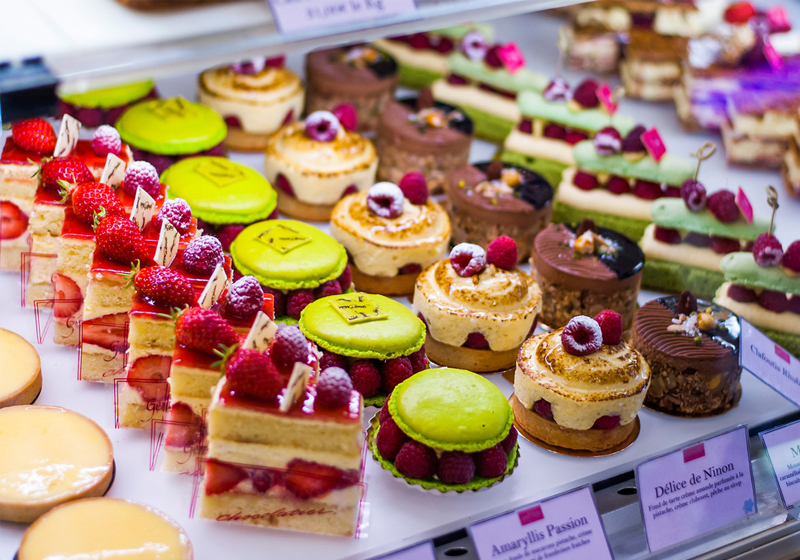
13, 221
183, 426
68, 299
222, 477
148, 376
109, 332
308, 480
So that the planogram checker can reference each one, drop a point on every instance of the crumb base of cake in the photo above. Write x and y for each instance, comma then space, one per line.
675, 277
400, 285
240, 140
295, 208
629, 227
471, 359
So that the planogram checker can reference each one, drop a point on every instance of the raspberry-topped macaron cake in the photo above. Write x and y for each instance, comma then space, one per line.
105, 106
255, 98
314, 163
692, 347
478, 307
448, 430
391, 233
580, 387
584, 269
377, 340
488, 199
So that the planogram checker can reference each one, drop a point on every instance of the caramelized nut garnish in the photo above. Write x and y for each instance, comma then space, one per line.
511, 177
585, 243
705, 322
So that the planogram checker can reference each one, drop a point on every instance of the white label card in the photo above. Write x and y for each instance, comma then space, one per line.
566, 527
168, 240
783, 449
261, 333
697, 489
67, 136
113, 172
144, 207
769, 362
422, 551
305, 15
296, 389
214, 288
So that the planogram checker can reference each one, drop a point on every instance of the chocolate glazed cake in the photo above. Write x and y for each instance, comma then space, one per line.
490, 199
585, 269
693, 350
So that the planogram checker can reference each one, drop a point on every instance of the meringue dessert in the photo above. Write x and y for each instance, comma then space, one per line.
391, 233
580, 387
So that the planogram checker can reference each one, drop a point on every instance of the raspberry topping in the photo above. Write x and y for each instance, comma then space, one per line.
329, 288
555, 131
333, 388
693, 194
557, 90
296, 301
584, 181
366, 379
390, 439
586, 94
491, 463
477, 341
329, 360
278, 301
346, 278
227, 234
322, 126
611, 326
455, 467
723, 205
252, 372
582, 336
791, 258
647, 190
543, 409
573, 137
633, 141
411, 268
288, 347
385, 200
606, 422
416, 460
608, 141
492, 58
667, 235
502, 252
741, 293
794, 305
245, 297
510, 441
176, 212
774, 301
419, 361
414, 187
204, 330
202, 255
395, 371
526, 126
618, 185
467, 259
284, 185
385, 415
725, 245
106, 141
347, 115
474, 45
767, 250
141, 174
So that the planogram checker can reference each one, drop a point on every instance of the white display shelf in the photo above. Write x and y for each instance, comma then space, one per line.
399, 515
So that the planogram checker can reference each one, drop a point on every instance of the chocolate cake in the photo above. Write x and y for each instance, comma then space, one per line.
692, 347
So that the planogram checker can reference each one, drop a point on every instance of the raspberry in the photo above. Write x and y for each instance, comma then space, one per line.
773, 301
557, 90
366, 379
106, 141
618, 185
511, 440
411, 268
296, 301
791, 258
741, 294
284, 184
346, 278
455, 467
611, 326
329, 360
347, 115
394, 372
288, 346
667, 235
606, 422
543, 409
419, 361
794, 304
586, 94
414, 187
202, 255
767, 250
698, 239
491, 463
385, 415
502, 252
725, 245
329, 288
723, 205
252, 372
584, 181
633, 141
333, 388
573, 137
226, 235
385, 200
141, 174
322, 126
492, 59
694, 195
177, 212
245, 297
526, 126
278, 301
415, 460
262, 480
467, 259
647, 190
607, 141
390, 439
419, 41
444, 45
555, 131
477, 341
582, 336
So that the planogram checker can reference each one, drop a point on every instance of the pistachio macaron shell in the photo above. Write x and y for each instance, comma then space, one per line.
397, 333
533, 104
171, 126
670, 170
220, 191
741, 268
313, 262
451, 409
108, 98
501, 78
673, 213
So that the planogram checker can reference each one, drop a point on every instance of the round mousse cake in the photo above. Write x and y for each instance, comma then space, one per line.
447, 429
163, 131
419, 134
377, 340
390, 239
104, 106
21, 376
293, 261
692, 347
584, 269
254, 98
105, 528
490, 199
478, 307
580, 387
315, 163
359, 74
50, 456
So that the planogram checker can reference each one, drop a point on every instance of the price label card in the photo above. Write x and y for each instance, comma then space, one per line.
769, 362
565, 527
696, 489
783, 449
423, 551
304, 15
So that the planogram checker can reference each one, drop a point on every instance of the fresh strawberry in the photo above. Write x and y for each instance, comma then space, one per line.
120, 240
221, 477
67, 299
308, 480
13, 221
95, 199
148, 376
68, 169
34, 135
204, 330
164, 286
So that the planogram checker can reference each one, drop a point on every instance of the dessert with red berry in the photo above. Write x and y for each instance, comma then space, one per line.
104, 106
255, 97
316, 162
478, 307
583, 269
427, 136
446, 430
391, 233
486, 200
376, 340
484, 80
360, 75
580, 387
615, 184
